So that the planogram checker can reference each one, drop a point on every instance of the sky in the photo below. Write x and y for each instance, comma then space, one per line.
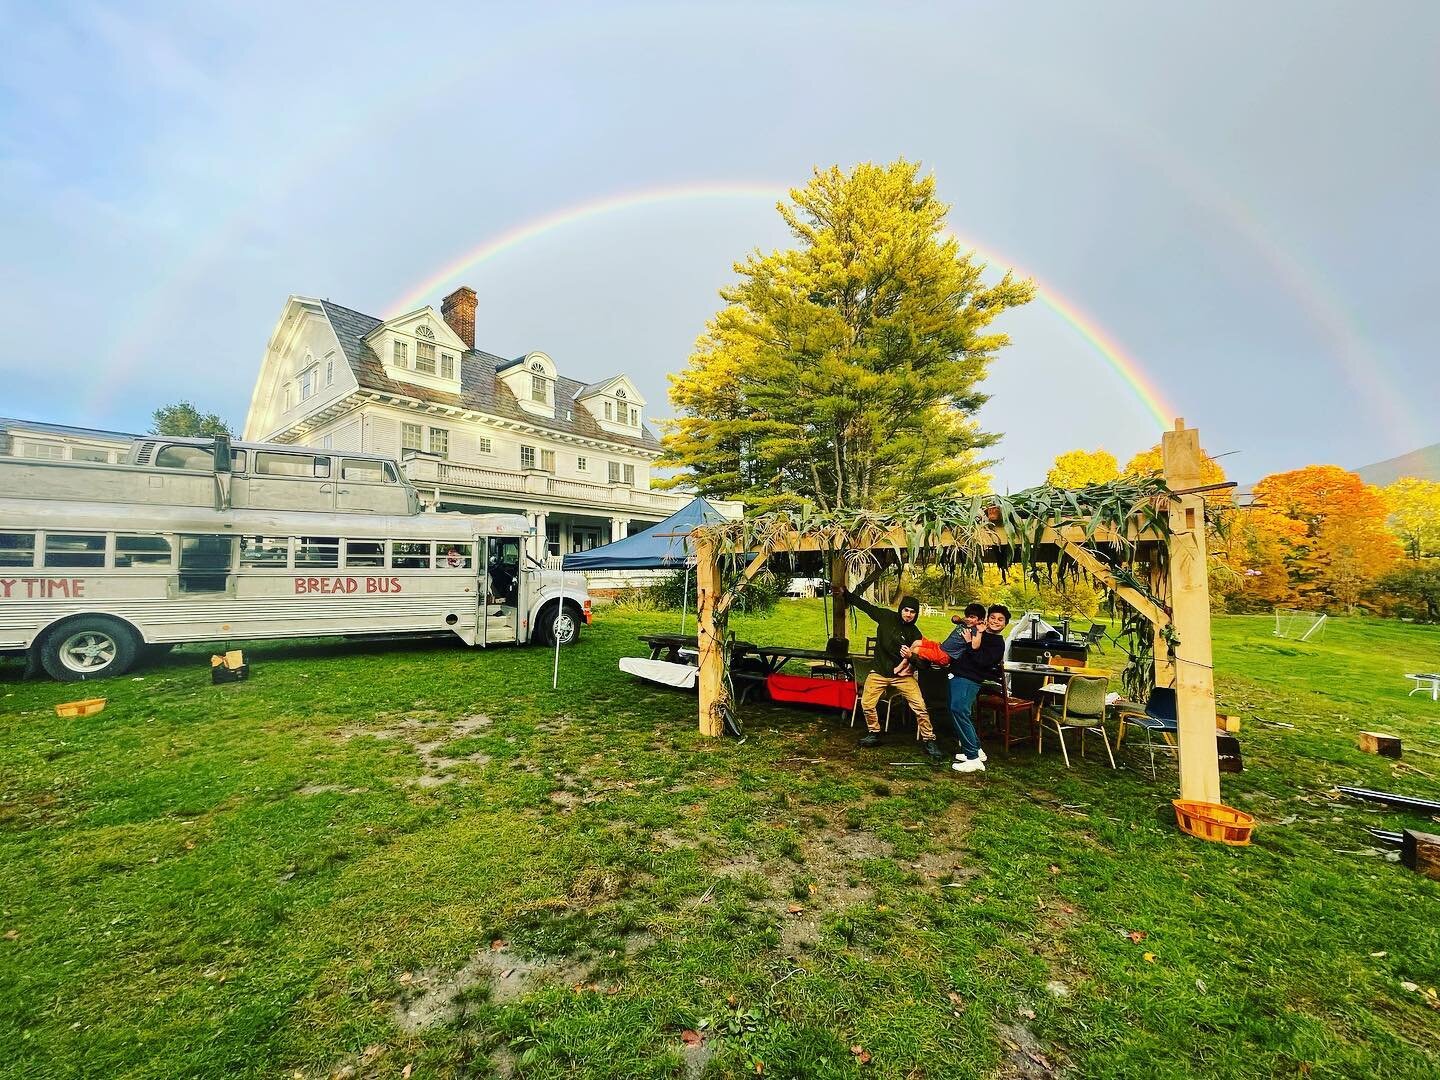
1238, 202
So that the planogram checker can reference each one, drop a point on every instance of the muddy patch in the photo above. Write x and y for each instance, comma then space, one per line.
427, 735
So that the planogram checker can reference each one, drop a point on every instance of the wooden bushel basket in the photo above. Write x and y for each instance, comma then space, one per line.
1214, 821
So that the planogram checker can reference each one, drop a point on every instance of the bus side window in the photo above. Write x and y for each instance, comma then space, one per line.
74, 550
131, 551
371, 472
204, 562
267, 552
186, 457
17, 549
364, 553
273, 464
317, 552
410, 555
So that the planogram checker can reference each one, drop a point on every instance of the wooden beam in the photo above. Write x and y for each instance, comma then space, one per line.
711, 648
1134, 597
1189, 571
899, 539
746, 576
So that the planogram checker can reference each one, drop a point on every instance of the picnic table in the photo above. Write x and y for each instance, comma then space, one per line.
1425, 680
672, 644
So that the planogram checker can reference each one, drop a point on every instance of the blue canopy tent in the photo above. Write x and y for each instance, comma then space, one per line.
663, 546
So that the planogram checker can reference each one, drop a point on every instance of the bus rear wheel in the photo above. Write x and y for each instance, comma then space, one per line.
557, 623
90, 647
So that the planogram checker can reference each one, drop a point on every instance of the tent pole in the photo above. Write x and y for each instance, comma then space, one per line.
685, 600
559, 611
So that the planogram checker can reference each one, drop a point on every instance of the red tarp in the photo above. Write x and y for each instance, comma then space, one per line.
806, 690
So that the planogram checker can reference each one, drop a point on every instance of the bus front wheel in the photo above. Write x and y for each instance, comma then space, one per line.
557, 623
90, 647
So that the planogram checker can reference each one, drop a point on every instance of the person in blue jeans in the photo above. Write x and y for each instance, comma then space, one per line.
976, 652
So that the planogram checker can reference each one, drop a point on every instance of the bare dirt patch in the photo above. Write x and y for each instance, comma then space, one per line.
433, 998
1026, 1057
428, 735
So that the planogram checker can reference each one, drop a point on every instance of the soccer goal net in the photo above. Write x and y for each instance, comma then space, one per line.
1299, 625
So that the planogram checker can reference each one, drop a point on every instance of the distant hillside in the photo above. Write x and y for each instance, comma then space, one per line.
1423, 464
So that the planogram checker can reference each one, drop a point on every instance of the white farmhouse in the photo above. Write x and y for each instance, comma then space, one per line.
475, 432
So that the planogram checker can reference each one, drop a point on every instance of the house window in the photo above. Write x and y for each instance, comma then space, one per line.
439, 441
614, 471
86, 453
609, 411
410, 437
45, 451
447, 365
327, 442
329, 372
425, 357
307, 383
581, 465
634, 417
630, 475
482, 445
287, 397
547, 462
400, 354
527, 457
537, 389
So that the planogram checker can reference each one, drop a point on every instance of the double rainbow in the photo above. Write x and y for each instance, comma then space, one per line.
1104, 345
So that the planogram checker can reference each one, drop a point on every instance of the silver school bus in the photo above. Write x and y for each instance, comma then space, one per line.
85, 587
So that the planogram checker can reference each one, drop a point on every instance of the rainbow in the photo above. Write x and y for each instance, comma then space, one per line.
1104, 345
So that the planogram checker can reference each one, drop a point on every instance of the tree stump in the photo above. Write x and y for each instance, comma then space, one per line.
1373, 742
1420, 851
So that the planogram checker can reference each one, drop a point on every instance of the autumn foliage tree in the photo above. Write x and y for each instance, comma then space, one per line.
1077, 468
1337, 545
844, 371
1414, 508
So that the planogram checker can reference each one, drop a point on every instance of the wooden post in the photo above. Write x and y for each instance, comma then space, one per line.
1189, 574
839, 581
1159, 647
711, 648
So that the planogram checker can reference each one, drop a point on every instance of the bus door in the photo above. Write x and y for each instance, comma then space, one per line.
501, 584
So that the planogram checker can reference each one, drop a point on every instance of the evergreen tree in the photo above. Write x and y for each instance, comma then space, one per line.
844, 371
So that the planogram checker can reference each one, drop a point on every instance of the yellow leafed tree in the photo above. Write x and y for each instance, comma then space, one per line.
1078, 468
1414, 508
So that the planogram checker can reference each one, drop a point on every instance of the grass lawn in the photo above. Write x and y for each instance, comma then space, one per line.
369, 858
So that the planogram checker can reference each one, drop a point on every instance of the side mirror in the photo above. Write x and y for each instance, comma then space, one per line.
222, 454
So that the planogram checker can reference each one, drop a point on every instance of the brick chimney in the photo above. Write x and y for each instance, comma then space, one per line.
458, 311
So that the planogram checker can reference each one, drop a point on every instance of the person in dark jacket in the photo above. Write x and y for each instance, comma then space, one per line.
976, 654
895, 632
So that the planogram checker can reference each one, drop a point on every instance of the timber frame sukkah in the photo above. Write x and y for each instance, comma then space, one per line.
1143, 541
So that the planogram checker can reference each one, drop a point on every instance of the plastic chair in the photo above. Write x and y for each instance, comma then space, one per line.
1094, 637
1082, 709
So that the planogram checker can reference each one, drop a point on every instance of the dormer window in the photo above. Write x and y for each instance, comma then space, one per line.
447, 365
609, 411
400, 354
425, 357
537, 389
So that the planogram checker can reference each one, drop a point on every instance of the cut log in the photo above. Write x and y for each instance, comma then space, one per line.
1373, 742
1228, 723
1420, 851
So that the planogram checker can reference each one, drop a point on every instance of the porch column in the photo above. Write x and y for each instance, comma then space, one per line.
542, 546
1190, 616
619, 528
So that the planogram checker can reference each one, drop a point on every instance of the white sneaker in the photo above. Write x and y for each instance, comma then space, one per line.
972, 765
983, 756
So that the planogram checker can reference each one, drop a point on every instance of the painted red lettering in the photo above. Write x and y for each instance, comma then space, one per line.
312, 584
299, 585
77, 587
351, 585
57, 586
8, 583
394, 584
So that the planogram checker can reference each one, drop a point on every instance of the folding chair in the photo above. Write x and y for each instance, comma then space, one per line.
1082, 709
1094, 637
1159, 716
